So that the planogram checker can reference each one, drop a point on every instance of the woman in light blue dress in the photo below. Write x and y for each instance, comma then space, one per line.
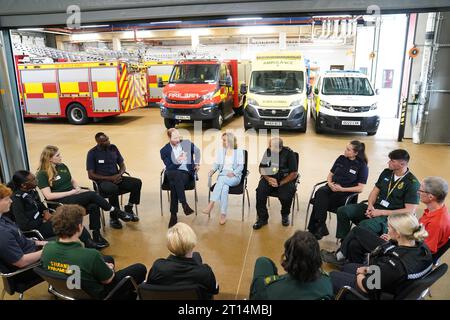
230, 164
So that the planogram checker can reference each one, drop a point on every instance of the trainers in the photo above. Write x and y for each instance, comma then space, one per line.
121, 215
330, 257
129, 211
259, 224
115, 223
285, 221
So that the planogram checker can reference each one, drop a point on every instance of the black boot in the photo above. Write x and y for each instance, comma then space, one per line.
321, 231
173, 220
285, 220
187, 210
101, 242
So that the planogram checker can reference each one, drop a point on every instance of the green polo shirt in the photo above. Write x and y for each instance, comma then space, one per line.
62, 182
58, 256
401, 192
285, 287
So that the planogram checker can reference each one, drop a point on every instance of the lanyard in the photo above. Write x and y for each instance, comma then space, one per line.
395, 185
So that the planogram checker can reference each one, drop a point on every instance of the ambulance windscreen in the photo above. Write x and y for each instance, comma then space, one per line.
351, 86
277, 82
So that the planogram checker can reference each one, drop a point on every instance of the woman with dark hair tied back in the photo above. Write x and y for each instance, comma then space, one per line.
304, 279
348, 175
30, 213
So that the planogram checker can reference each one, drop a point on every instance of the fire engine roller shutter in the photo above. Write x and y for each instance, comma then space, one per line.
40, 92
73, 82
104, 89
139, 85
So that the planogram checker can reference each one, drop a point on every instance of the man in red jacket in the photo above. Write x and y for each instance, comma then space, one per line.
436, 220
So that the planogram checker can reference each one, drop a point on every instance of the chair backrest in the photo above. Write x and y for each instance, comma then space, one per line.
297, 158
438, 254
148, 291
58, 282
244, 171
415, 289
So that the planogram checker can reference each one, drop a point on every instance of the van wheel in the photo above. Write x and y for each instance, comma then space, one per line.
317, 125
371, 133
76, 114
169, 123
217, 122
246, 125
305, 121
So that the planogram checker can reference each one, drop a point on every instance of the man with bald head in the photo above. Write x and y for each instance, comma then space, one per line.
278, 170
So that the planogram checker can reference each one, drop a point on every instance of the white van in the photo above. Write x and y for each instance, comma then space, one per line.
276, 96
344, 101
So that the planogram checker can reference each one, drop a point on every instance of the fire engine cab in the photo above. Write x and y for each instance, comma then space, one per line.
201, 89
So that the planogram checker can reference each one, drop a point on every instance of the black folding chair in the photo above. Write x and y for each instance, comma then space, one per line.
241, 188
274, 194
441, 251
58, 286
164, 185
352, 198
148, 291
415, 290
19, 280
97, 190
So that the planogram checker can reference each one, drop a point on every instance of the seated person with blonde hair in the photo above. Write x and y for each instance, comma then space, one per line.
400, 260
183, 267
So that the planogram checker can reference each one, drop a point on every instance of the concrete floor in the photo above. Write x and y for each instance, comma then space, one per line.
232, 249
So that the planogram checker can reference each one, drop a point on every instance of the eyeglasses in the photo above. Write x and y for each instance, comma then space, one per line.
422, 191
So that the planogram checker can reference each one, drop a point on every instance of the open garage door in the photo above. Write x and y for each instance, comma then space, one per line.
26, 13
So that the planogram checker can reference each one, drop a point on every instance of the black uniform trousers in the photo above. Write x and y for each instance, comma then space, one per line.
127, 292
358, 243
346, 277
46, 230
178, 181
325, 200
286, 194
92, 202
127, 185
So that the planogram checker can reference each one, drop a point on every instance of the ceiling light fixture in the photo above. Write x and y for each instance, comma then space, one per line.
166, 22
244, 19
96, 26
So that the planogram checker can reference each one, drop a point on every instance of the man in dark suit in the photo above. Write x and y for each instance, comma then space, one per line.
181, 158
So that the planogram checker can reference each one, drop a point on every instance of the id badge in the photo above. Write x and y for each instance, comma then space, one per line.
384, 203
352, 171
57, 178
101, 161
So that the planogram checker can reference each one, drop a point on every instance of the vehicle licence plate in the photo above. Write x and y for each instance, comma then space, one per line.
351, 123
183, 117
273, 123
